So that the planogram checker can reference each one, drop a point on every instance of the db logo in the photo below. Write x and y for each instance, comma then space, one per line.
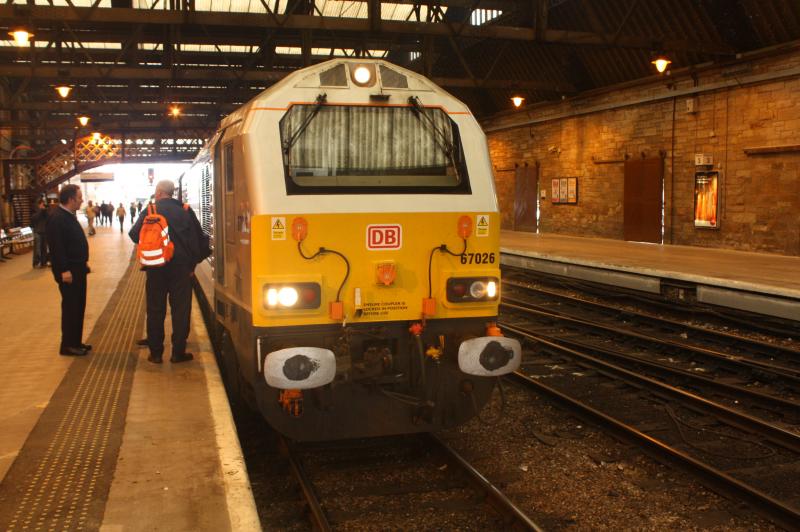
384, 236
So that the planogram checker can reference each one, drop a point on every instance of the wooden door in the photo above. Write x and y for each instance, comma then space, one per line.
526, 190
643, 203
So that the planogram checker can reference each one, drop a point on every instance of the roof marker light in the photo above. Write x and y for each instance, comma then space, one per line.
362, 75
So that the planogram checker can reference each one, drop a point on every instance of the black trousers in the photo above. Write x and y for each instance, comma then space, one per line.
39, 249
171, 281
73, 307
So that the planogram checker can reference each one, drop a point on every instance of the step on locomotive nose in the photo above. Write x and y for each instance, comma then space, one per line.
489, 356
300, 368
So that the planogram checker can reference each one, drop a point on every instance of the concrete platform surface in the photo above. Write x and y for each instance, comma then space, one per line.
762, 273
179, 466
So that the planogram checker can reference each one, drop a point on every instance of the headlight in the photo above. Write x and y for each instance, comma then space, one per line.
477, 289
491, 289
292, 296
471, 289
272, 297
362, 75
287, 296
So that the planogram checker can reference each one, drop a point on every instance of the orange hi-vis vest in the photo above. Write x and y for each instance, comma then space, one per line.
155, 247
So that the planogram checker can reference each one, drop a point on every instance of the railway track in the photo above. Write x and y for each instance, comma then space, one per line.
405, 482
770, 354
739, 456
766, 391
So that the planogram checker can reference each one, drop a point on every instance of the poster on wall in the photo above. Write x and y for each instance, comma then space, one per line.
554, 196
706, 199
572, 190
562, 190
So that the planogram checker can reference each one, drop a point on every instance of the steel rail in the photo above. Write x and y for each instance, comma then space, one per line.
783, 350
789, 374
782, 437
518, 519
320, 521
669, 371
782, 514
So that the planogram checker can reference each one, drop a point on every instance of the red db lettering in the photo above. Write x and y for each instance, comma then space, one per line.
384, 236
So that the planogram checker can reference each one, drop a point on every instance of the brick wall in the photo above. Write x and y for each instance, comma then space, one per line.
755, 103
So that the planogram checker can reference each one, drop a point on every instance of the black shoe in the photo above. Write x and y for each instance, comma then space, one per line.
88, 347
185, 357
142, 342
73, 351
155, 359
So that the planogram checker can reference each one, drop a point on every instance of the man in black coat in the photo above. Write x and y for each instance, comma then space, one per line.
69, 257
172, 279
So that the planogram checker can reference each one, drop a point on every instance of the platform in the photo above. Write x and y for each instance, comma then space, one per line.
110, 441
755, 282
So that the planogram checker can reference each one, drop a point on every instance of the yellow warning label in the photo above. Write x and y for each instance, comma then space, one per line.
278, 228
482, 225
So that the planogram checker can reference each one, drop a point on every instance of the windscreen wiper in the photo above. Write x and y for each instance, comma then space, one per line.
445, 144
288, 143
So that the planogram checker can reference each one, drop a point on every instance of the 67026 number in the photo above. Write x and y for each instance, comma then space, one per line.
477, 258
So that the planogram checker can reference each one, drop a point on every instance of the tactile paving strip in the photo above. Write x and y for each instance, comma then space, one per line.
61, 477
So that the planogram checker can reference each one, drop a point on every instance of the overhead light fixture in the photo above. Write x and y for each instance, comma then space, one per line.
175, 111
83, 120
21, 36
63, 90
661, 63
517, 101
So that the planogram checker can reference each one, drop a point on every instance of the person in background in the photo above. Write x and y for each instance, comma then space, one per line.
70, 263
98, 215
139, 207
133, 213
109, 214
121, 215
103, 213
39, 225
90, 216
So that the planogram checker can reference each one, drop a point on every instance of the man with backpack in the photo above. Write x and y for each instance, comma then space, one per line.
171, 243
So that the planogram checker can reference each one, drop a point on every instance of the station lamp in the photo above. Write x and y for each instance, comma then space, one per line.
63, 90
83, 120
21, 36
661, 63
174, 111
517, 101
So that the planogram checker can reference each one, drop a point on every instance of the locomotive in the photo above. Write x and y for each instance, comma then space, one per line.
354, 282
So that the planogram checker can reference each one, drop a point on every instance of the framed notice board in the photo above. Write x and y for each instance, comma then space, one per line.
564, 190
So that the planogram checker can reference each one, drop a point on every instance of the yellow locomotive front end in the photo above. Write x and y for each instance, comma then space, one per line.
357, 269
386, 319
